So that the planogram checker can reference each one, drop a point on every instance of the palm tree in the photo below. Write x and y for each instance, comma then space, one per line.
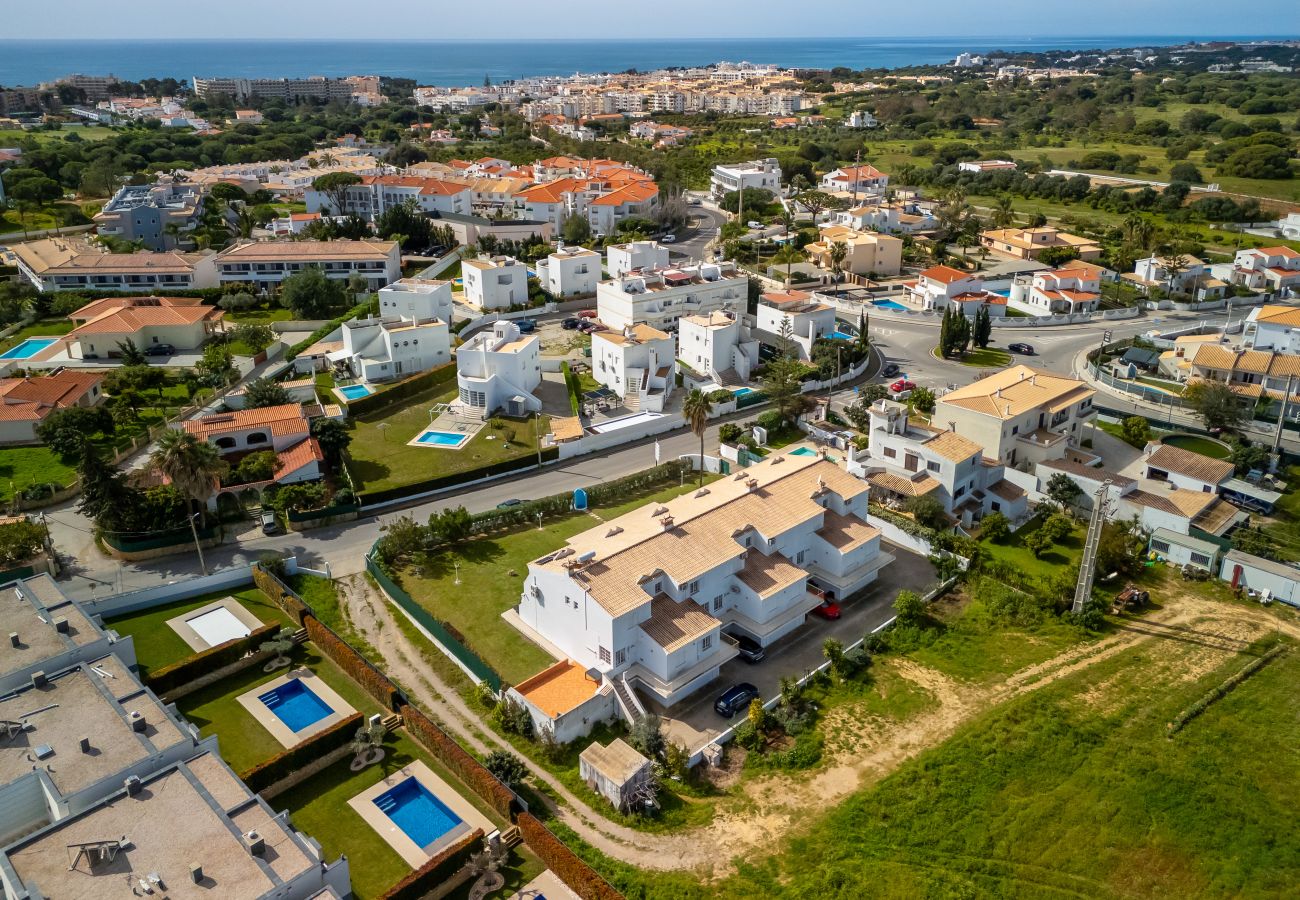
191, 464
1004, 214
1138, 231
787, 256
696, 409
838, 252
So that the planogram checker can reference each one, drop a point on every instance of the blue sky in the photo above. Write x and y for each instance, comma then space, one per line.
500, 19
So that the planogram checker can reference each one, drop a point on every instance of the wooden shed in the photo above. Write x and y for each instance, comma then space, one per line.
616, 772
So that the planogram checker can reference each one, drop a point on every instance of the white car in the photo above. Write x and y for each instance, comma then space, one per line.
753, 224
668, 239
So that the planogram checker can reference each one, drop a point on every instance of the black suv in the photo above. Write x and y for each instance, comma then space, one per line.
735, 699
1018, 347
751, 651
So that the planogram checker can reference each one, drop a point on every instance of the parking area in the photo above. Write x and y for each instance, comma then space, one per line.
695, 723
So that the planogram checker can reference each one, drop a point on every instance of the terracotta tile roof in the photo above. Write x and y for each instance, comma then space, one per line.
1279, 315
286, 419
1017, 390
781, 297
1006, 490
60, 389
23, 411
299, 456
766, 574
1215, 516
846, 533
673, 625
952, 446
278, 251
907, 487
559, 688
1193, 465
96, 308
64, 256
1070, 467
944, 274
1284, 252
133, 319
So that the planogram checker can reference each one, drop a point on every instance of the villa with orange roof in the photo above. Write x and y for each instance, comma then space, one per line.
101, 325
867, 252
648, 603
1029, 243
284, 430
1274, 327
1263, 269
856, 179
603, 202
376, 194
25, 402
1059, 292
939, 287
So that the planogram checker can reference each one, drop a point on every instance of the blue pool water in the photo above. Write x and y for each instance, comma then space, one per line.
889, 304
442, 438
803, 451
414, 809
295, 705
356, 391
841, 336
28, 348
741, 392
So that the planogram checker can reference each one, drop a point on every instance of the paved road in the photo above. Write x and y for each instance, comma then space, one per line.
693, 241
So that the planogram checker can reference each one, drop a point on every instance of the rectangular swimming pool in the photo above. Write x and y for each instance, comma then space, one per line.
28, 348
216, 626
295, 705
442, 439
413, 808
355, 391
842, 336
889, 304
742, 392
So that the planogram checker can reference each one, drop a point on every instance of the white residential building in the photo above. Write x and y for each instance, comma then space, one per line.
988, 165
267, 263
807, 319
661, 297
643, 600
382, 349
895, 217
717, 346
69, 264
939, 287
1274, 269
1192, 278
639, 363
1060, 291
570, 272
602, 202
856, 180
498, 282
623, 258
762, 173
376, 194
860, 118
907, 459
416, 299
499, 370
1019, 414
1274, 327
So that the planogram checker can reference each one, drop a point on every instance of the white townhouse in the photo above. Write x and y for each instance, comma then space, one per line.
718, 346
761, 173
497, 282
1274, 327
1274, 269
646, 601
570, 272
1190, 277
855, 180
376, 194
1060, 291
602, 202
70, 264
807, 319
638, 363
895, 217
907, 459
939, 287
416, 298
499, 370
267, 263
1253, 374
379, 349
623, 258
661, 297
1019, 414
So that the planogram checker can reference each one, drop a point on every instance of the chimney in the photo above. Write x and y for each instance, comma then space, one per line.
85, 745
138, 721
38, 679
13, 639
61, 624
256, 844
132, 785
196, 873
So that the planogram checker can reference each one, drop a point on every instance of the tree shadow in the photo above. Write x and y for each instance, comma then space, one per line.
368, 471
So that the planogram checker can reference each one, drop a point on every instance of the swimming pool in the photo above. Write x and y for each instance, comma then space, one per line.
889, 304
626, 422
742, 392
842, 336
441, 439
295, 705
355, 391
28, 348
413, 808
216, 626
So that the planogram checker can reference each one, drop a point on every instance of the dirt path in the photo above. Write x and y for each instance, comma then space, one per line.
779, 804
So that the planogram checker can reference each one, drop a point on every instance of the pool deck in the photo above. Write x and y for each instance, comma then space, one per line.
338, 392
271, 722
181, 624
415, 856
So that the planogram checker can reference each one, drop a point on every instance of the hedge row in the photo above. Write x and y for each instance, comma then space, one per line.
437, 871
454, 757
1221, 690
281, 594
402, 390
581, 878
443, 481
908, 525
182, 672
575, 390
358, 310
264, 774
375, 682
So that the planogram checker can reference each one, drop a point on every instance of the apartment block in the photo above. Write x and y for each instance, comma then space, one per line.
159, 215
267, 263
867, 253
660, 298
762, 173
66, 264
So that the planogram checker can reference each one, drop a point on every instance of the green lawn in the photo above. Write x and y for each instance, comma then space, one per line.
44, 328
267, 314
1197, 444
491, 575
985, 358
21, 467
12, 137
157, 644
244, 742
1161, 384
1060, 557
380, 458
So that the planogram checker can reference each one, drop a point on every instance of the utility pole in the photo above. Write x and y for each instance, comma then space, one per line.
1281, 416
1088, 565
198, 548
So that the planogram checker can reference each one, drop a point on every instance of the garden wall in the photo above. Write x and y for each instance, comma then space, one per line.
209, 666
435, 877
195, 586
580, 878
295, 765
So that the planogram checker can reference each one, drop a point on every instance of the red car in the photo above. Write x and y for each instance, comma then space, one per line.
828, 610
901, 385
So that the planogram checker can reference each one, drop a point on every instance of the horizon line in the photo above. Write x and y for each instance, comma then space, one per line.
611, 39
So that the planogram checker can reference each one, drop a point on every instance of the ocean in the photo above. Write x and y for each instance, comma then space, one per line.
468, 62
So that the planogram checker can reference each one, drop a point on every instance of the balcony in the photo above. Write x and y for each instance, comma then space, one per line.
1042, 438
666, 688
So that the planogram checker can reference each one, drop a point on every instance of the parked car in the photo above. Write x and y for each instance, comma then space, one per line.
668, 239
509, 504
570, 323
901, 385
751, 651
735, 699
526, 326
587, 314
1019, 347
752, 224
159, 350
891, 370
829, 610
695, 201
269, 523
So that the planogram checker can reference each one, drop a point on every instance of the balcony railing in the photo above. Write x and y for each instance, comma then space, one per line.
666, 687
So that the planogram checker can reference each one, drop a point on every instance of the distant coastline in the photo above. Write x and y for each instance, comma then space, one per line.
466, 62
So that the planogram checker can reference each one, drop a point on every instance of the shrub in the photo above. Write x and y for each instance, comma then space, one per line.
995, 527
19, 541
580, 878
1136, 431
283, 764
437, 871
909, 608
514, 718
182, 672
374, 682
267, 575
927, 511
770, 421
468, 769
507, 767
729, 432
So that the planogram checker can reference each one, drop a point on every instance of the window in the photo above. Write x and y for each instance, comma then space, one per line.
717, 603
798, 560
1200, 559
620, 657
1160, 546
1016, 430
890, 452
695, 587
604, 654
257, 437
932, 466
706, 642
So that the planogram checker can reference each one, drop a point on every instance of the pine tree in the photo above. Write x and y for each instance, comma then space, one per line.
105, 496
945, 333
961, 340
983, 326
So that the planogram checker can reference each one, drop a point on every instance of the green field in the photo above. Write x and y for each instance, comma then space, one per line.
1012, 551
22, 467
157, 644
12, 138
